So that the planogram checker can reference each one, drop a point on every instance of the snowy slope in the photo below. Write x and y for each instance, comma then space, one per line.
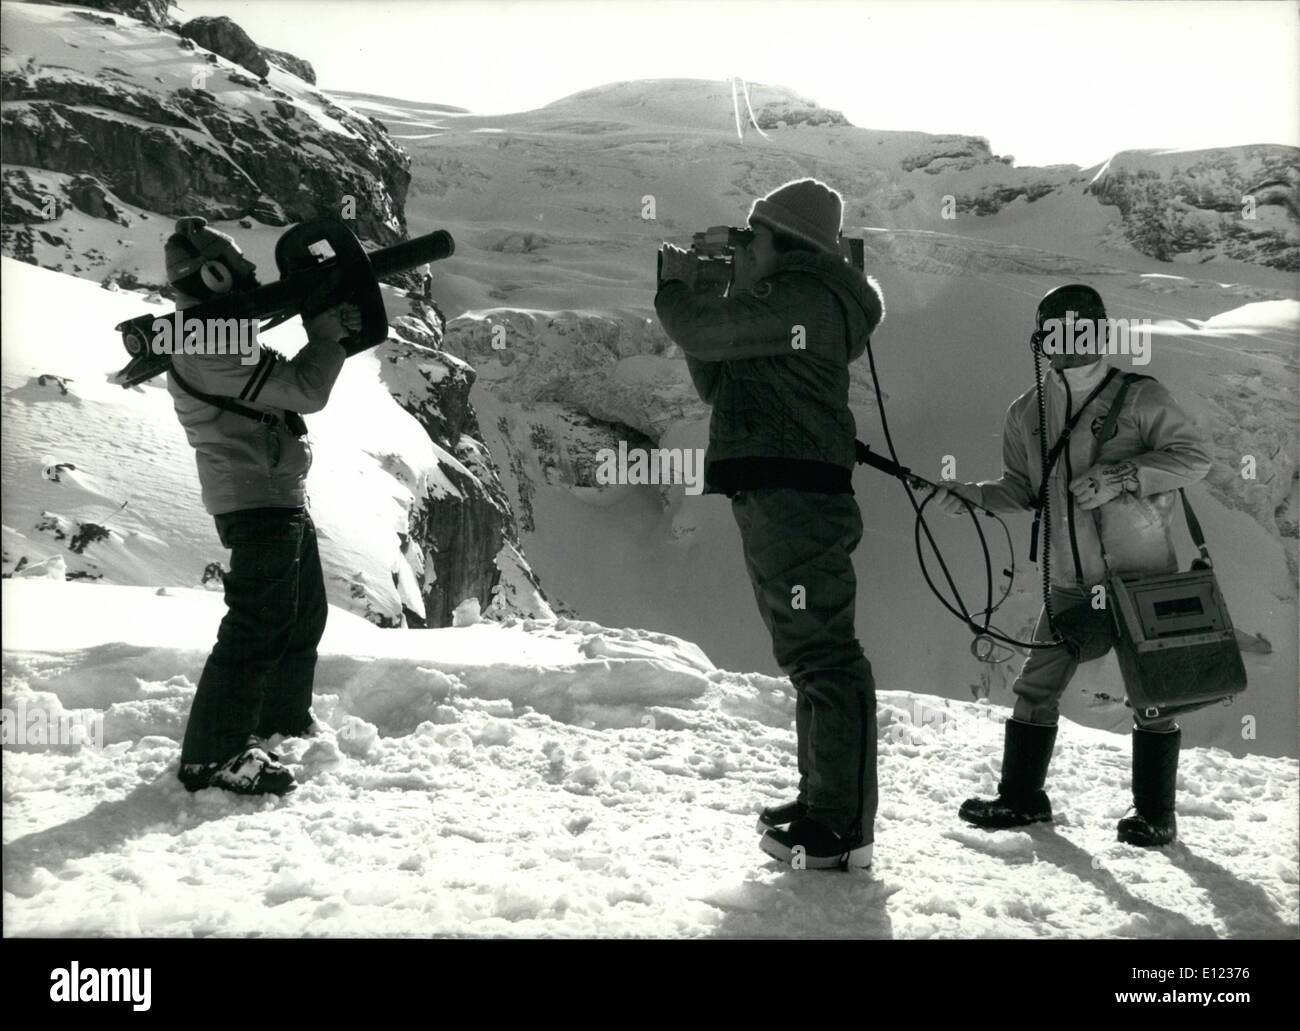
559, 778
129, 471
553, 246
644, 556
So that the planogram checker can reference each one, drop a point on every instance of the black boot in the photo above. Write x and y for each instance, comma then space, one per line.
1026, 753
1155, 779
253, 771
809, 845
775, 816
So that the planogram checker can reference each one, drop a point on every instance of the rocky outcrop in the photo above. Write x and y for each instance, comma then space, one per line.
787, 114
1254, 418
992, 199
294, 65
614, 368
225, 37
463, 527
1234, 202
157, 167
949, 154
183, 132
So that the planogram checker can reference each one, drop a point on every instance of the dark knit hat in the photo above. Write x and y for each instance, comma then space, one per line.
806, 209
194, 243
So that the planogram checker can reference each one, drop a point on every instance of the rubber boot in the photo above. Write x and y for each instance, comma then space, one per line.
1155, 780
1026, 754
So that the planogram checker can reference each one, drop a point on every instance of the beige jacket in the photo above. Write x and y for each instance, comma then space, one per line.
1152, 432
243, 463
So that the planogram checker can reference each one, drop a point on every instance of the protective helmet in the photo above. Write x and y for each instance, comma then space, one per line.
1082, 300
203, 263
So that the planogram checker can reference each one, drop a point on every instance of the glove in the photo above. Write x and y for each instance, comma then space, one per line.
1103, 483
950, 501
334, 324
677, 264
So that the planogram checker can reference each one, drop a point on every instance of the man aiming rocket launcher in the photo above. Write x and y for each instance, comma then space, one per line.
322, 264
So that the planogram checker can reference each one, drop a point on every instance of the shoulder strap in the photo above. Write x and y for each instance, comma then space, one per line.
231, 405
1194, 528
1064, 438
1112, 416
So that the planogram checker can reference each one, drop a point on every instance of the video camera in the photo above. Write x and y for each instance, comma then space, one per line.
322, 264
715, 253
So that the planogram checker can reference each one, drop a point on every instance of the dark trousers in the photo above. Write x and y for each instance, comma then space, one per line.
258, 678
798, 551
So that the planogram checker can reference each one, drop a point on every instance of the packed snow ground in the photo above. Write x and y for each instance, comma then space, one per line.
560, 778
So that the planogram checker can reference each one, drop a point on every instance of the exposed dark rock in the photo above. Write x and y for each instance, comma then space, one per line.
786, 114
462, 533
994, 198
262, 167
88, 195
294, 65
23, 201
949, 153
156, 167
225, 37
1239, 202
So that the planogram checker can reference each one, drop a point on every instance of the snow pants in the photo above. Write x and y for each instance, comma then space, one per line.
258, 679
1048, 672
798, 548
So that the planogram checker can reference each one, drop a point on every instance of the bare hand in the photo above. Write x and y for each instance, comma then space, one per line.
952, 503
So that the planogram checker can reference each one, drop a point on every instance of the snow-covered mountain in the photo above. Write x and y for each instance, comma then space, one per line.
113, 127
588, 759
101, 484
550, 299
101, 110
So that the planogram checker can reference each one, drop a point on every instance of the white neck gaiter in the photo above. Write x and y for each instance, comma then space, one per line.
1084, 378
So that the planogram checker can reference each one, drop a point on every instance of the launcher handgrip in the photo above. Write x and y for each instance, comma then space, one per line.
412, 253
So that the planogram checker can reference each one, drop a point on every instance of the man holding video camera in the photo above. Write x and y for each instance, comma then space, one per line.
771, 355
1123, 487
247, 432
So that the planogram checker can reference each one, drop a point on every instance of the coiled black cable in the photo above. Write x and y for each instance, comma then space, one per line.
987, 631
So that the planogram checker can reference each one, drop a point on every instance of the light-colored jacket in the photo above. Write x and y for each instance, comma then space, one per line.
1152, 432
244, 463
